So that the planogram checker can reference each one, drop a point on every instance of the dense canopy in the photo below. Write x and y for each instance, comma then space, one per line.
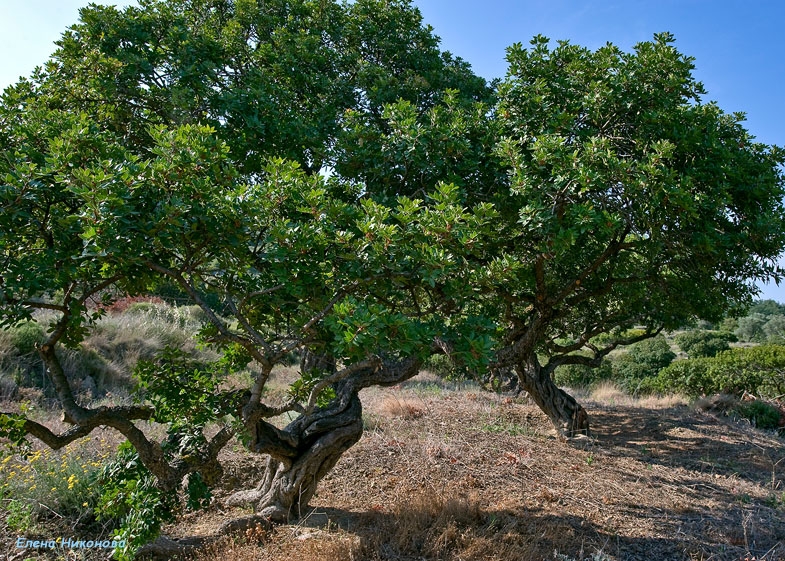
330, 187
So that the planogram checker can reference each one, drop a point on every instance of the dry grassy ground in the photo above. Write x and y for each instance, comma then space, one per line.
465, 475
459, 474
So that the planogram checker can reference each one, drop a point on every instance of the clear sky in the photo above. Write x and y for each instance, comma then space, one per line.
739, 45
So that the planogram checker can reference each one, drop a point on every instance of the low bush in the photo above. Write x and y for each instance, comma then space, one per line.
757, 370
44, 481
580, 376
761, 414
700, 343
641, 361
26, 336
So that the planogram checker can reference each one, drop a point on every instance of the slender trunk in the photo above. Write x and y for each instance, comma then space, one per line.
566, 414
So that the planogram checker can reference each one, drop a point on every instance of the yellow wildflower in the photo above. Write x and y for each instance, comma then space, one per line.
72, 481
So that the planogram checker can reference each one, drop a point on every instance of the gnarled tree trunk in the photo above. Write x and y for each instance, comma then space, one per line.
302, 453
566, 414
313, 445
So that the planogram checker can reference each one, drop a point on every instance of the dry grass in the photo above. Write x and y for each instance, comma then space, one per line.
607, 393
449, 474
477, 477
402, 407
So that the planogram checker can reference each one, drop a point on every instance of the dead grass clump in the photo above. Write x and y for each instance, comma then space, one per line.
404, 408
661, 401
608, 393
721, 403
292, 543
421, 524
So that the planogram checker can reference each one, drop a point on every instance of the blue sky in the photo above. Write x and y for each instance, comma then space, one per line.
739, 45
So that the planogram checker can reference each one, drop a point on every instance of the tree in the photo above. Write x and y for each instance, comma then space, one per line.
750, 328
149, 151
623, 202
370, 210
631, 204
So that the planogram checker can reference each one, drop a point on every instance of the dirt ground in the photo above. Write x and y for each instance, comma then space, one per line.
460, 475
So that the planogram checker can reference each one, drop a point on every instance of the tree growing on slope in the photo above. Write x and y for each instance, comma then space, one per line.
148, 151
632, 204
181, 142
623, 202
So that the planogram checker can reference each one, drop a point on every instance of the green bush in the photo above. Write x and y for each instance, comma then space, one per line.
641, 361
44, 481
131, 502
701, 343
25, 337
579, 376
756, 370
761, 414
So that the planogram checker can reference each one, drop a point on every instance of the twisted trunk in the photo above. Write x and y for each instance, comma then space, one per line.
303, 452
290, 482
566, 414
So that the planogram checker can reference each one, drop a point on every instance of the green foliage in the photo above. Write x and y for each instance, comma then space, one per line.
761, 414
580, 376
774, 329
21, 516
620, 211
181, 389
767, 308
301, 388
13, 432
26, 336
36, 483
700, 343
641, 360
181, 143
750, 328
756, 370
131, 499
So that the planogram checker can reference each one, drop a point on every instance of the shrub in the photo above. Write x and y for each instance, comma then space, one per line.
701, 343
642, 360
580, 376
757, 370
26, 336
761, 414
45, 481
131, 501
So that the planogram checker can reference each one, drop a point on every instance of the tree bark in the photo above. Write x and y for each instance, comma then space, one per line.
566, 414
303, 452
317, 441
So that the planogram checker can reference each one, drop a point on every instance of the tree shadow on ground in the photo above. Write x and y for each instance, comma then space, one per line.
419, 532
